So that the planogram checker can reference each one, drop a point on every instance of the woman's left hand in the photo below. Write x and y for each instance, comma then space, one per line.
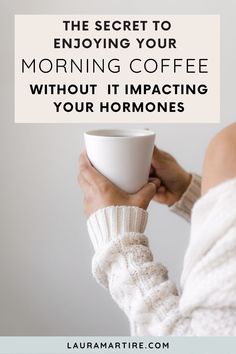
99, 192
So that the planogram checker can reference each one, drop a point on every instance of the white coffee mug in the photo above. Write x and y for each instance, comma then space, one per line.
123, 156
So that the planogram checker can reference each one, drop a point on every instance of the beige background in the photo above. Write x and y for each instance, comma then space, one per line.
45, 254
196, 37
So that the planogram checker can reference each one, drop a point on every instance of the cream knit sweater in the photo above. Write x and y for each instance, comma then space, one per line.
124, 264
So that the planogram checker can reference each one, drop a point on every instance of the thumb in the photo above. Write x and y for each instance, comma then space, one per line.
145, 195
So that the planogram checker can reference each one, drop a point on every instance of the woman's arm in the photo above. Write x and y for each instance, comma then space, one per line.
123, 263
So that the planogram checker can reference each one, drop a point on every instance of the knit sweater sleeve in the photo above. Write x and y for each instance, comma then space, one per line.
185, 205
123, 263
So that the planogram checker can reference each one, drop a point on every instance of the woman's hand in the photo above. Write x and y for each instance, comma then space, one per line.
99, 192
174, 179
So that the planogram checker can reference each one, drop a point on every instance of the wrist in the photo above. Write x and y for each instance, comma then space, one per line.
185, 204
112, 222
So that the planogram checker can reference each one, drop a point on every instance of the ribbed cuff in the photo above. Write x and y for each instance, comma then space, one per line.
184, 206
110, 222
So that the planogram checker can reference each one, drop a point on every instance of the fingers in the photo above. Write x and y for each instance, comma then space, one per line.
155, 181
147, 193
83, 158
82, 181
143, 197
162, 189
88, 171
84, 162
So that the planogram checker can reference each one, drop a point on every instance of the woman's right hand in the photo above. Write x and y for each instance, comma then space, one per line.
174, 179
100, 193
